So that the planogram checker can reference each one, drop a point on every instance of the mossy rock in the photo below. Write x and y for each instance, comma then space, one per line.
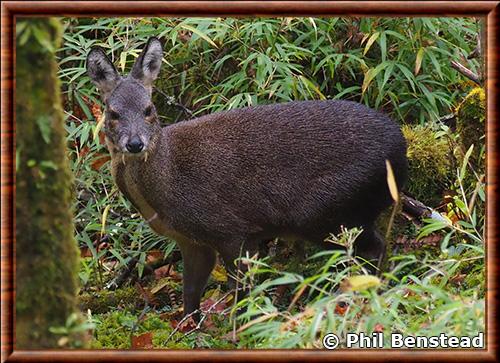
431, 161
471, 116
105, 300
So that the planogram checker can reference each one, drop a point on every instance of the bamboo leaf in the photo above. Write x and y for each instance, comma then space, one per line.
371, 74
104, 218
123, 60
360, 283
391, 181
98, 127
371, 40
200, 34
418, 61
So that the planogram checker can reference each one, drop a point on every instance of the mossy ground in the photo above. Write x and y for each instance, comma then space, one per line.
430, 161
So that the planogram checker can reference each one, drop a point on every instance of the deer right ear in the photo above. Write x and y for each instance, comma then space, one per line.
101, 71
147, 66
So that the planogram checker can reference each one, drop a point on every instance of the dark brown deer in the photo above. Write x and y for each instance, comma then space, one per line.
223, 182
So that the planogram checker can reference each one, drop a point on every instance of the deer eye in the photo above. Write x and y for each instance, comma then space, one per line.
148, 111
114, 115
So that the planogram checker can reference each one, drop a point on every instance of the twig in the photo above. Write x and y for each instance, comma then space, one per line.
124, 274
467, 72
171, 101
202, 319
478, 51
448, 119
415, 208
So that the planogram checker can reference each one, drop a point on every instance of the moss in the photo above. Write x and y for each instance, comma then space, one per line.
115, 329
471, 116
105, 300
430, 165
46, 253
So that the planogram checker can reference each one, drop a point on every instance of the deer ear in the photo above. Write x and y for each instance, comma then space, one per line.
101, 71
147, 66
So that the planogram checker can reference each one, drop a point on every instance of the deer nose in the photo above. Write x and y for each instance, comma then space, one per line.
135, 145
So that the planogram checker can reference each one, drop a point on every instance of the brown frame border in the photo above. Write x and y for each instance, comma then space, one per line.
10, 9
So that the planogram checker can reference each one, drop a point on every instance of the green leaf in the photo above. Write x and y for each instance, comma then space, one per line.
435, 63
310, 85
388, 72
409, 76
371, 74
383, 46
465, 162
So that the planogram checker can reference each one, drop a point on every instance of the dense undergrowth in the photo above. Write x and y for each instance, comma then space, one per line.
434, 279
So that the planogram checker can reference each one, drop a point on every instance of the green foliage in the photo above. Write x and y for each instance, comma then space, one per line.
430, 160
422, 302
465, 221
115, 330
400, 65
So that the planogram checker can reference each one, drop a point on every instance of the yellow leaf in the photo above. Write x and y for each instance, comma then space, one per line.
103, 219
367, 80
372, 39
391, 181
418, 61
98, 127
219, 273
360, 283
123, 60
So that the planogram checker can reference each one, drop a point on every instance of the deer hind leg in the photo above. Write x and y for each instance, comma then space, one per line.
198, 260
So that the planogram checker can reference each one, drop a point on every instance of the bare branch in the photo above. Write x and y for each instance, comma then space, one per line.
467, 73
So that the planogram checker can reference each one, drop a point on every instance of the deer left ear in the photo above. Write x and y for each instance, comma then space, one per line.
102, 72
147, 66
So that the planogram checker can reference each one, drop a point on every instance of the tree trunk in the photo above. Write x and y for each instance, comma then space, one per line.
46, 252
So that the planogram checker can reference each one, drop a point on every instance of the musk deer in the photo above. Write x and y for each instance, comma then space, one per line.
224, 182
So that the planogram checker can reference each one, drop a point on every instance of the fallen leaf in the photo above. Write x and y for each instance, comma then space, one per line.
143, 341
186, 326
458, 279
154, 255
98, 162
85, 252
219, 273
209, 304
167, 271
